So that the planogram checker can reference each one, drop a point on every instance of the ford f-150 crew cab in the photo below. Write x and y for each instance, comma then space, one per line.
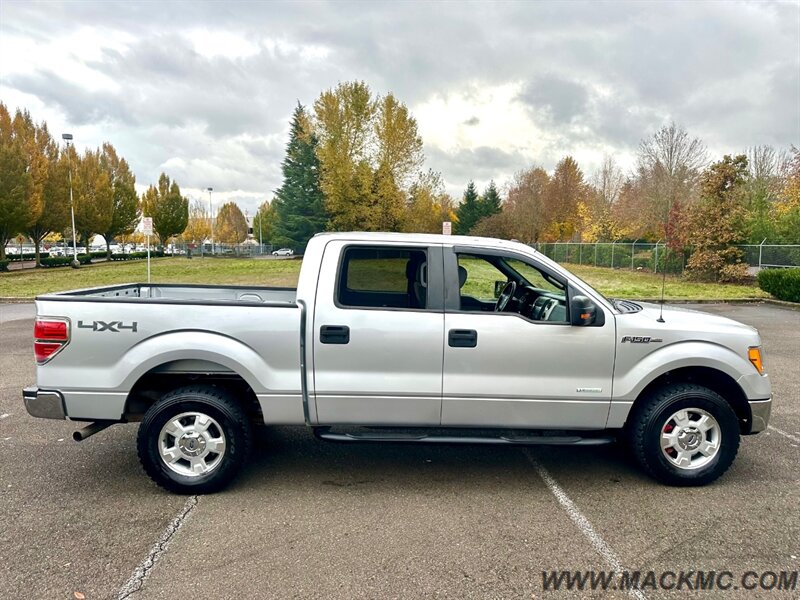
399, 338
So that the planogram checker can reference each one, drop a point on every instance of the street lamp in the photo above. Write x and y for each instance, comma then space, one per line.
67, 137
211, 217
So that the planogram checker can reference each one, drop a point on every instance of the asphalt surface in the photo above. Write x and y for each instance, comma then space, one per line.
310, 519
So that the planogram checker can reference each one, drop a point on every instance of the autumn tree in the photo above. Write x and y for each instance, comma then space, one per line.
565, 191
716, 223
428, 205
469, 211
370, 153
786, 209
345, 126
125, 208
231, 225
55, 215
598, 219
198, 225
93, 196
298, 211
670, 163
526, 205
16, 213
169, 210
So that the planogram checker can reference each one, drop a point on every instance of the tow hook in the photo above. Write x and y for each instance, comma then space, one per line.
91, 429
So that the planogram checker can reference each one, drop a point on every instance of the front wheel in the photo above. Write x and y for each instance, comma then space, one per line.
194, 440
684, 434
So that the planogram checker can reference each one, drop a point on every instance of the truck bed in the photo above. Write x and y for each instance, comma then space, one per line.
182, 292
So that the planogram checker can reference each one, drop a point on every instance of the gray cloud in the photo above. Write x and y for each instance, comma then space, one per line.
593, 76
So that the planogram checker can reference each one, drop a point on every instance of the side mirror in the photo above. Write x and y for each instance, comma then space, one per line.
498, 288
582, 311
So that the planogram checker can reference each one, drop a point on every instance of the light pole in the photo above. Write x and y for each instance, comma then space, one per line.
211, 217
67, 137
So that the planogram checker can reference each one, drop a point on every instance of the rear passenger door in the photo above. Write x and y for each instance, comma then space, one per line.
379, 334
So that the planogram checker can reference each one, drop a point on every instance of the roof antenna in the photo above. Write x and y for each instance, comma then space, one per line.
660, 318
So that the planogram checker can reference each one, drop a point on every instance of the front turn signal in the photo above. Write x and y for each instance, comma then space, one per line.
754, 354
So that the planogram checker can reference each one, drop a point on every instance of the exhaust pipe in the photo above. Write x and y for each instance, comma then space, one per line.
91, 429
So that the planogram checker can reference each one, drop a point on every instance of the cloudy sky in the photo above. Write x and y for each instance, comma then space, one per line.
204, 90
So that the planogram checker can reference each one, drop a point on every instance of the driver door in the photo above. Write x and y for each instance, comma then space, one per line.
507, 370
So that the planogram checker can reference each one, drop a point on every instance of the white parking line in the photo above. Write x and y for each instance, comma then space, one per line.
4, 416
582, 523
795, 439
142, 572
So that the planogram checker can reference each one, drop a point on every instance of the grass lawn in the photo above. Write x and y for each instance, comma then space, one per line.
30, 282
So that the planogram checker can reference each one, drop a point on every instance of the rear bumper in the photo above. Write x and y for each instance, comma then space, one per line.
760, 411
45, 404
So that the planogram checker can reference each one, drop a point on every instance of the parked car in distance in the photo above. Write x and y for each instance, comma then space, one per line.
399, 338
283, 252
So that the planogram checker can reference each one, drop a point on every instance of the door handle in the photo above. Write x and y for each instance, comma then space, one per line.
334, 334
462, 338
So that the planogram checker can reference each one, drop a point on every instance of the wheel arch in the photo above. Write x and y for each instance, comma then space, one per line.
170, 375
714, 379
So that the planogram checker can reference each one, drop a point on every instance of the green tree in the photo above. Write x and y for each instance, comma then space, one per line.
16, 212
169, 210
125, 209
469, 211
490, 203
299, 206
716, 223
264, 222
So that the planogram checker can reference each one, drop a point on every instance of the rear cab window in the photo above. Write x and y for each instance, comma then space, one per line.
383, 277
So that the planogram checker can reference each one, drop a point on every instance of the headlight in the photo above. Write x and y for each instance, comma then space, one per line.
754, 354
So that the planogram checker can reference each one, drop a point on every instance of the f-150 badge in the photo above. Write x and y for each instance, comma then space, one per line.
636, 339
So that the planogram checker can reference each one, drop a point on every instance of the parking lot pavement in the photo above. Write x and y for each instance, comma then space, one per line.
309, 519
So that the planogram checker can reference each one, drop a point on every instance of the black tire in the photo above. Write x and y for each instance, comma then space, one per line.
651, 419
229, 423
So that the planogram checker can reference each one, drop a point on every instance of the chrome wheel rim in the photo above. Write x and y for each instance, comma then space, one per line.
690, 438
191, 444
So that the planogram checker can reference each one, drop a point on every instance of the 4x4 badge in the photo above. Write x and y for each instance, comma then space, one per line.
113, 326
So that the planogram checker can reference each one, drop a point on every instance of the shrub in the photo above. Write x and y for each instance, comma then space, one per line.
23, 256
4, 264
784, 284
56, 261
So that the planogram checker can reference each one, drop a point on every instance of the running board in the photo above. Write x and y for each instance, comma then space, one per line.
323, 433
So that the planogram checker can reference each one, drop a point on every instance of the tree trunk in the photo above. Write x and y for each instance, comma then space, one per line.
36, 244
108, 246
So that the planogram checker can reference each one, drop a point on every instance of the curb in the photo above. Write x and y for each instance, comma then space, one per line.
15, 300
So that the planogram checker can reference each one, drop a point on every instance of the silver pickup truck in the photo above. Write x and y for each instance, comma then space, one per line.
399, 338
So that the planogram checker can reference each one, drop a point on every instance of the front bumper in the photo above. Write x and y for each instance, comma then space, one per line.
760, 411
44, 404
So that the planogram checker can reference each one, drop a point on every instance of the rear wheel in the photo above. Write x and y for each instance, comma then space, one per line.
684, 434
194, 440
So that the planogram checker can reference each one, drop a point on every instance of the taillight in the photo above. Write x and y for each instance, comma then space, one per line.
50, 335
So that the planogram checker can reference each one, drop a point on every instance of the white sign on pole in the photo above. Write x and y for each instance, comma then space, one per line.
447, 228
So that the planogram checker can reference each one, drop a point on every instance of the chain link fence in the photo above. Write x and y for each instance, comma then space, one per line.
655, 257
